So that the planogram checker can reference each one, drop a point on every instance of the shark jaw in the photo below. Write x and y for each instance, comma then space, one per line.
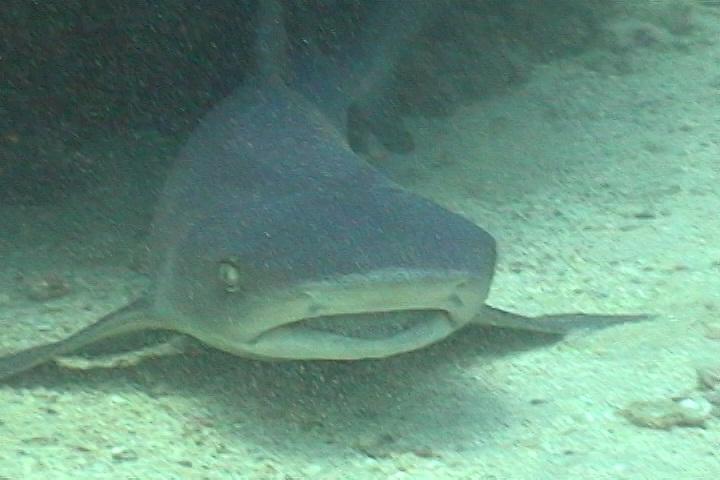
354, 317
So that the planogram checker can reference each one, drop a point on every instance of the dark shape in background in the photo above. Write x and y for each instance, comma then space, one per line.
79, 71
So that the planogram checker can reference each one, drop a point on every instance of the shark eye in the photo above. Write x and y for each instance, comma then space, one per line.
229, 276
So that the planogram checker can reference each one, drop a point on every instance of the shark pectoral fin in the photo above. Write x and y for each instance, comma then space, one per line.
559, 324
133, 317
176, 345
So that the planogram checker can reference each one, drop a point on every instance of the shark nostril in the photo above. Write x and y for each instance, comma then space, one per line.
314, 310
456, 301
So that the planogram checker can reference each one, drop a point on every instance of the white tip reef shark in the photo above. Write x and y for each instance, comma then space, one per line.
274, 239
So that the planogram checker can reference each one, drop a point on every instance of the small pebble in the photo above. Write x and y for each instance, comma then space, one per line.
714, 398
709, 377
644, 215
666, 414
45, 288
712, 330
122, 454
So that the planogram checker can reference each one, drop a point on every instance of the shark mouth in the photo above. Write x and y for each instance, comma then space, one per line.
355, 336
366, 326
352, 317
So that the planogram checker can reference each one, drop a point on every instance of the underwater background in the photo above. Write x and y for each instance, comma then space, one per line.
584, 136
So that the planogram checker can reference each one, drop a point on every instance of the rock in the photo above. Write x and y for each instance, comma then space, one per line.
665, 414
708, 377
47, 287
